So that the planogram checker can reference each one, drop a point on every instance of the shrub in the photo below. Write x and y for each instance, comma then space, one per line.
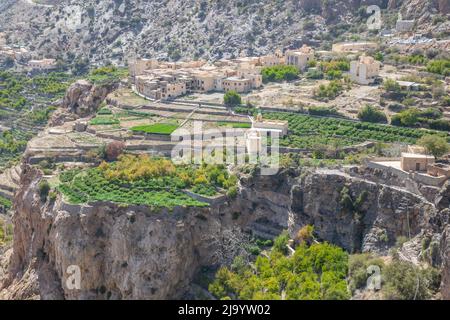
314, 74
52, 196
440, 124
281, 242
404, 281
391, 86
323, 111
232, 192
371, 114
305, 234
407, 118
330, 91
44, 189
114, 149
441, 67
358, 266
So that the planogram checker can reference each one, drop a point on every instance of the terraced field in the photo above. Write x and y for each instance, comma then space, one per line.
307, 131
19, 94
142, 180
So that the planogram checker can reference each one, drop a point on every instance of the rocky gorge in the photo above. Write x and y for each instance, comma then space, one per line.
132, 252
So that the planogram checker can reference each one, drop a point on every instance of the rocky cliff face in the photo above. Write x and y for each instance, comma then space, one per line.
82, 99
140, 253
114, 29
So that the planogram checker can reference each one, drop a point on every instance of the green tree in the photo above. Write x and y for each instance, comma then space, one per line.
407, 118
279, 73
391, 86
435, 145
232, 99
372, 114
441, 67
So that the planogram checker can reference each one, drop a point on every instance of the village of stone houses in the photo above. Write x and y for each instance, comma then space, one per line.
361, 127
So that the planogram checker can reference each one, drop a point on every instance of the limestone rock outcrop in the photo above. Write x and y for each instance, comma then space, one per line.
83, 98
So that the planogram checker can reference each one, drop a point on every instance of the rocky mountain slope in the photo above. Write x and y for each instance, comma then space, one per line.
116, 29
142, 253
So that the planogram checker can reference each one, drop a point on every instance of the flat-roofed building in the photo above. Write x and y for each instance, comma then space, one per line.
272, 59
365, 70
416, 162
279, 126
300, 57
44, 64
353, 47
138, 66
239, 85
408, 85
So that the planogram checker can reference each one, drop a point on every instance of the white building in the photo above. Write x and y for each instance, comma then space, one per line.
279, 126
365, 70
300, 57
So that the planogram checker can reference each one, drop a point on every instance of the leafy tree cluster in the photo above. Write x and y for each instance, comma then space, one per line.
330, 91
11, 144
430, 117
334, 69
441, 67
145, 180
316, 272
107, 74
279, 73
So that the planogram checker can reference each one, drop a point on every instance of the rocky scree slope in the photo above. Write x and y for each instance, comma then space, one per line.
118, 29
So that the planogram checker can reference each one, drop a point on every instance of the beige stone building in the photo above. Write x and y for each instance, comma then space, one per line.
138, 66
272, 60
354, 47
300, 57
365, 70
416, 162
279, 126
439, 170
42, 65
239, 85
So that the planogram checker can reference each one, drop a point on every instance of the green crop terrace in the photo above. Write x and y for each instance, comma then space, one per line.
307, 131
143, 180
157, 128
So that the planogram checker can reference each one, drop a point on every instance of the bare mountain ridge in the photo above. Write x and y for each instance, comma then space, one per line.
114, 29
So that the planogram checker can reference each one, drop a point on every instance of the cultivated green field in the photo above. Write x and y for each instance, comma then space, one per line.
158, 128
307, 131
141, 180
